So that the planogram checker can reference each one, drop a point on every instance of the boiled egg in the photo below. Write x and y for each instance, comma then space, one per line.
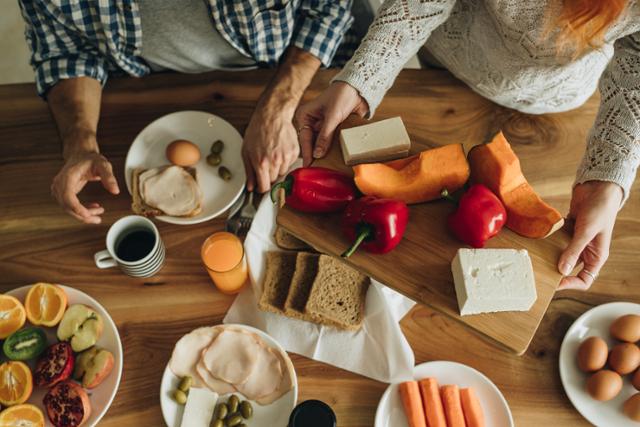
631, 407
626, 328
604, 385
592, 354
183, 153
624, 358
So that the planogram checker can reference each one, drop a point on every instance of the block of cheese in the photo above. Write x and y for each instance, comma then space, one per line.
375, 142
490, 280
199, 408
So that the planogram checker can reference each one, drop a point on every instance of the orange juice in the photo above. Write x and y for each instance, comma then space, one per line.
223, 256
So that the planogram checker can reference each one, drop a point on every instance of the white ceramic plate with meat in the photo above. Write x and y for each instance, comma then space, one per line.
274, 414
595, 322
102, 396
496, 411
203, 129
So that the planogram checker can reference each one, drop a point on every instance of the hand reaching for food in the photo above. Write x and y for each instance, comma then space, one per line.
74, 175
318, 119
594, 207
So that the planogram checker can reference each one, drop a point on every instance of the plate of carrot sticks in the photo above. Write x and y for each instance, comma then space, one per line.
444, 394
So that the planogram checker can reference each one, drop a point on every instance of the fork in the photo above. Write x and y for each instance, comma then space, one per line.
247, 214
231, 224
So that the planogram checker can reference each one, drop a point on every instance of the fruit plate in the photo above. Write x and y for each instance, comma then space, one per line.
275, 414
496, 410
148, 151
102, 396
594, 322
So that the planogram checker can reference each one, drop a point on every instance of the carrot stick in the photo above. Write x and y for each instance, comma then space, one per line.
410, 395
471, 407
433, 410
452, 406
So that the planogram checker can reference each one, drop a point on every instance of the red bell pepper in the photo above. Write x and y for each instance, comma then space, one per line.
316, 190
479, 217
375, 224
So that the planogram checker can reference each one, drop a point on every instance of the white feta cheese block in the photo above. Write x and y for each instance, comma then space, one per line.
491, 280
198, 411
375, 142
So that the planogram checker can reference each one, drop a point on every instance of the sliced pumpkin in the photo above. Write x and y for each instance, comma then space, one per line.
12, 315
497, 166
416, 179
45, 304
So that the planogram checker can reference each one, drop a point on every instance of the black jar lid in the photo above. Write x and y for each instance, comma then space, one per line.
312, 413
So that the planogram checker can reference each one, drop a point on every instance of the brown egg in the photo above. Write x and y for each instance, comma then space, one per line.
604, 385
631, 407
635, 380
624, 358
183, 153
592, 354
626, 328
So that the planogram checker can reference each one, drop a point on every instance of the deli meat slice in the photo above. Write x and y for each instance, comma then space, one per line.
211, 382
286, 381
187, 352
172, 190
232, 356
266, 375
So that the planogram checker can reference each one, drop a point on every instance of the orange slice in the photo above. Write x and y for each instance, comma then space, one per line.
22, 415
45, 304
12, 315
16, 383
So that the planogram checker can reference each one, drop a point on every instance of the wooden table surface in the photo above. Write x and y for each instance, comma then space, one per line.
38, 242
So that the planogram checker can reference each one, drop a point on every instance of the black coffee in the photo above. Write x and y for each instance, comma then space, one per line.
135, 245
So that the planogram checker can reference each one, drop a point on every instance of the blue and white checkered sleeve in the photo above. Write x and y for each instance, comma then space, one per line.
56, 52
324, 24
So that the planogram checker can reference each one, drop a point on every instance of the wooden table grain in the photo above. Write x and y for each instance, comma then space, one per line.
38, 242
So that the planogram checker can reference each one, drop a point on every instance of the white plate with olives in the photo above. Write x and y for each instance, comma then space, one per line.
219, 170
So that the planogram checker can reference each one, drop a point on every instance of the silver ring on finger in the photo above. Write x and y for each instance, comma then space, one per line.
590, 274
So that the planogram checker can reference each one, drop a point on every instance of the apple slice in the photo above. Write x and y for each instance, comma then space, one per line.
81, 326
93, 366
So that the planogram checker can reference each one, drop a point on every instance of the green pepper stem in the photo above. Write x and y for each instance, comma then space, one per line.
364, 234
285, 183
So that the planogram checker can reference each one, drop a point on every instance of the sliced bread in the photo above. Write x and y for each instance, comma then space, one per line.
140, 207
288, 241
275, 288
338, 294
301, 283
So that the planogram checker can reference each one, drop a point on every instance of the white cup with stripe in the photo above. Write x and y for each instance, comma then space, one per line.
134, 245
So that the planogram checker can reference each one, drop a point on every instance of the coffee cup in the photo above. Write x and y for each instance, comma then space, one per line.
133, 244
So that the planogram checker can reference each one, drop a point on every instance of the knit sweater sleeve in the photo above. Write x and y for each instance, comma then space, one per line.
400, 28
613, 146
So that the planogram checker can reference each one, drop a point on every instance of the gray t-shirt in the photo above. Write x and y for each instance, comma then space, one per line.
181, 36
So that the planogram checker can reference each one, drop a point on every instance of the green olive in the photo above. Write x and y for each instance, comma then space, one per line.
218, 423
185, 383
224, 173
233, 403
217, 147
234, 420
214, 159
180, 397
246, 410
222, 411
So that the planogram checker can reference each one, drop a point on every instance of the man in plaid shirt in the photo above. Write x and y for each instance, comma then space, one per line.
76, 44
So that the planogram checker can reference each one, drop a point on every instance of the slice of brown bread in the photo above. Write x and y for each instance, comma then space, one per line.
286, 240
275, 288
301, 283
138, 205
338, 294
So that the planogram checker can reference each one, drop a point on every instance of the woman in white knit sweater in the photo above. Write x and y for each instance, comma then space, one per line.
534, 56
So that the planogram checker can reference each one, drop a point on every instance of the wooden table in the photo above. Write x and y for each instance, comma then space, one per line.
40, 243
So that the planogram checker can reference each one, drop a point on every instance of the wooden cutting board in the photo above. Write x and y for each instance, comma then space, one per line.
420, 267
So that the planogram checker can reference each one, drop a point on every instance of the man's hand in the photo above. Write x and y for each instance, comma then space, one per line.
594, 207
74, 175
270, 147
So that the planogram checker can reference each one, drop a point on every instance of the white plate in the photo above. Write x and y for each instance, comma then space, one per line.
201, 128
390, 412
101, 396
594, 322
275, 414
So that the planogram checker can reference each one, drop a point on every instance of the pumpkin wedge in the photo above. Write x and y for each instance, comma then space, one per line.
497, 166
416, 179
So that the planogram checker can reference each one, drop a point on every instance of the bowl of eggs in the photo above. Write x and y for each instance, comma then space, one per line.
600, 364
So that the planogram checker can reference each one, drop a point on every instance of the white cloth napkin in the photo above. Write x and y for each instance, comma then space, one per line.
379, 350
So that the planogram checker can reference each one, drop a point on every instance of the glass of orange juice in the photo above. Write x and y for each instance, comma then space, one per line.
223, 256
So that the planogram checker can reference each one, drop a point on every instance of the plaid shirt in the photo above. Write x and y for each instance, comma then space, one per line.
72, 38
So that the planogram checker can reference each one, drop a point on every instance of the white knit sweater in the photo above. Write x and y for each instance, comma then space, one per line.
500, 49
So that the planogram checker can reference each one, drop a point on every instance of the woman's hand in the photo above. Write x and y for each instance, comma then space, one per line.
270, 147
322, 116
594, 207
77, 171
